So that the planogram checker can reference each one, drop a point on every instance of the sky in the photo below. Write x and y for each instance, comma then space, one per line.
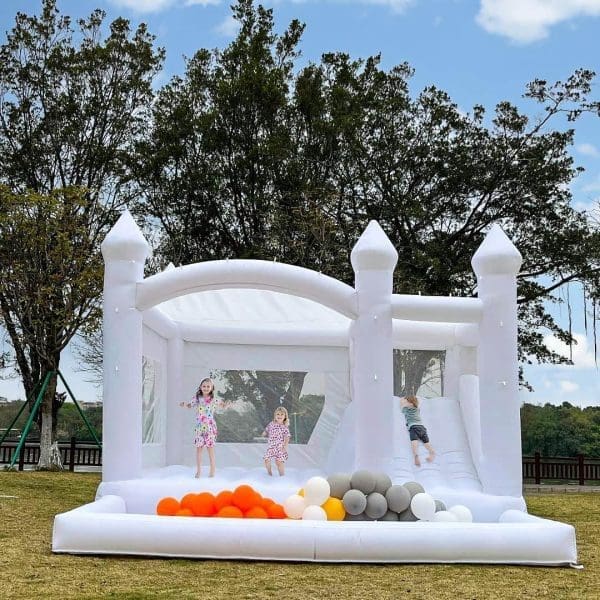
479, 51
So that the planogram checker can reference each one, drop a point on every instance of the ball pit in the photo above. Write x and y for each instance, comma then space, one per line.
243, 502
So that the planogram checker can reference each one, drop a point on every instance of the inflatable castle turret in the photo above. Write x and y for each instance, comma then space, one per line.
373, 260
496, 264
125, 251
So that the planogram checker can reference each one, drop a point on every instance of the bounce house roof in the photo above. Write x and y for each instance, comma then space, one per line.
245, 307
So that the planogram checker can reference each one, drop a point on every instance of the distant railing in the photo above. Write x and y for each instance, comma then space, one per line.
579, 468
79, 453
75, 453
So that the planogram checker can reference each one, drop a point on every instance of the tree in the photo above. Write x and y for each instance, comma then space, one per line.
246, 158
69, 111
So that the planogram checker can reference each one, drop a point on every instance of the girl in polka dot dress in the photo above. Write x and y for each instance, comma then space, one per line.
278, 436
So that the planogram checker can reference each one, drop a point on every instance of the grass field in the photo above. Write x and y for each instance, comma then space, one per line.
28, 569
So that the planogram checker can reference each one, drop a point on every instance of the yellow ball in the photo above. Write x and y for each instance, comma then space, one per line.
334, 509
300, 492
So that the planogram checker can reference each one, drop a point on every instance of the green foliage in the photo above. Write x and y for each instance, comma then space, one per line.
71, 104
248, 156
564, 430
69, 422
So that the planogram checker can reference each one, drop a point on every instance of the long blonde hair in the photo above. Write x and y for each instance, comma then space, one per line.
284, 412
413, 400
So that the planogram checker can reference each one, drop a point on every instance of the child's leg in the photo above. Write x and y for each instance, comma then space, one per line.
211, 458
280, 467
431, 451
268, 466
415, 450
198, 461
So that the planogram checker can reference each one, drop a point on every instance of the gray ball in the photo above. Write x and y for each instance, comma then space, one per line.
339, 484
390, 515
363, 480
376, 505
439, 505
407, 515
354, 502
359, 517
382, 483
413, 488
398, 498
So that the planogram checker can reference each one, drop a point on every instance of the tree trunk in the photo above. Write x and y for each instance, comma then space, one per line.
46, 430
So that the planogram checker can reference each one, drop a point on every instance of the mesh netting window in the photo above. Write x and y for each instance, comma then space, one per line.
251, 398
419, 372
151, 406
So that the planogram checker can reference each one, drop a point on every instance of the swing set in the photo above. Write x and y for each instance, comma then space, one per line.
34, 411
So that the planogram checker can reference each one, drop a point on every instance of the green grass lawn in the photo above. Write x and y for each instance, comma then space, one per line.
28, 569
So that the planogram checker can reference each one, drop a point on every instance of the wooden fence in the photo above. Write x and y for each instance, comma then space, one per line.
76, 453
556, 468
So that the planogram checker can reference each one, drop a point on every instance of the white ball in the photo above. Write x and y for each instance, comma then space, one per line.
423, 506
445, 516
314, 513
294, 506
463, 514
316, 490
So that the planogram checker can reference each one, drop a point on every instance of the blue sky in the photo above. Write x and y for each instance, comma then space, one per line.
479, 51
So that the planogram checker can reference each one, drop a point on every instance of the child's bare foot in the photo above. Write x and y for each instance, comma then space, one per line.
431, 457
417, 461
211, 474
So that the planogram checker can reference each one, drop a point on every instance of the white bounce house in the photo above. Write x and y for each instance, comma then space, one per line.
164, 333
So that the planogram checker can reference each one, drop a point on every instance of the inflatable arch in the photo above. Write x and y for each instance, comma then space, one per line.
249, 314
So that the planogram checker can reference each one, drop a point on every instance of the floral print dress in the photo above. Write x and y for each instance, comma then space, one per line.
278, 433
205, 431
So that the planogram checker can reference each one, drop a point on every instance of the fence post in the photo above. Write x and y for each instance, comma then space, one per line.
72, 456
581, 469
22, 457
537, 468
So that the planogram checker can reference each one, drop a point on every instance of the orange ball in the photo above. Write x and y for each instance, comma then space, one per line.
334, 509
167, 506
256, 512
184, 512
230, 512
275, 511
203, 505
244, 497
265, 503
223, 498
188, 501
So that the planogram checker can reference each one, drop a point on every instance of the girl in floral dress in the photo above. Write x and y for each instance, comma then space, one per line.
205, 431
278, 437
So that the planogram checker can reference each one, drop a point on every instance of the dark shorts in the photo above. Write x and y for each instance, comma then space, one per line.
418, 432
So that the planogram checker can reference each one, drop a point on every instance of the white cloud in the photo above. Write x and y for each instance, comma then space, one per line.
202, 2
395, 5
568, 386
146, 6
588, 150
228, 27
526, 21
583, 354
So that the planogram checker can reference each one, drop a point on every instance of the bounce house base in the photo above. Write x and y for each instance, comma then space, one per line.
122, 521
